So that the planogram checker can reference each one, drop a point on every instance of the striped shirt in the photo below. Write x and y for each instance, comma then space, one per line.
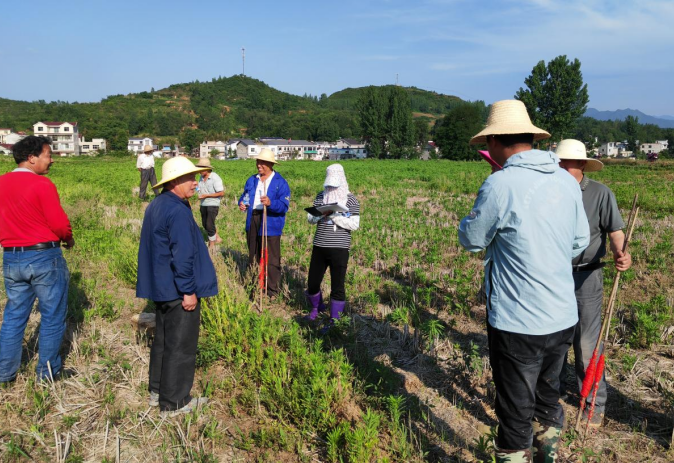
329, 235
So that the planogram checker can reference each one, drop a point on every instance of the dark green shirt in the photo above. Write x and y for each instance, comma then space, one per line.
603, 216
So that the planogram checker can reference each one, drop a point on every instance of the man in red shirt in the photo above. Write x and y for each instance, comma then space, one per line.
32, 227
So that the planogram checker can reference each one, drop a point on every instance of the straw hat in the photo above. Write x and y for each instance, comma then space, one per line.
508, 117
574, 150
177, 167
267, 155
147, 148
205, 162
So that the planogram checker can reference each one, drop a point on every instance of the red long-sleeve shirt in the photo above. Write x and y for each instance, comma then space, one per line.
30, 211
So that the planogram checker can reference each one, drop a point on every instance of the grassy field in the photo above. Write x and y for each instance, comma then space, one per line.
404, 378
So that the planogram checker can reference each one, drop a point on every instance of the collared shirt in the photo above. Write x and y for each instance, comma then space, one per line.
172, 257
261, 190
603, 216
213, 184
145, 161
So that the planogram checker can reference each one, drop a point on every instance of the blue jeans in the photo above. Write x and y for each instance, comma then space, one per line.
29, 275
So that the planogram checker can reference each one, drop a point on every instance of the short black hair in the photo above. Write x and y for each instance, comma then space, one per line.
515, 139
31, 145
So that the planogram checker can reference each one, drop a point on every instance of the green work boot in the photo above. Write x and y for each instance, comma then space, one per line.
546, 440
512, 456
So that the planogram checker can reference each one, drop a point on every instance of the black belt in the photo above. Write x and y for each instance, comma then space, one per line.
35, 247
257, 211
588, 267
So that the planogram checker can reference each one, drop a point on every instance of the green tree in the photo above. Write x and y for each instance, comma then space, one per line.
454, 131
214, 153
191, 138
421, 131
400, 128
555, 96
631, 128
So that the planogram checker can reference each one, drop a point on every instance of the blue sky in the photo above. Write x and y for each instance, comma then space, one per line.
86, 50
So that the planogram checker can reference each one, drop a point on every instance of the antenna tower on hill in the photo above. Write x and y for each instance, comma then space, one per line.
243, 61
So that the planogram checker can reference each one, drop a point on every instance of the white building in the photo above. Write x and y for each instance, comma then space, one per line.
206, 147
3, 133
64, 136
6, 149
136, 145
92, 146
653, 148
348, 148
12, 138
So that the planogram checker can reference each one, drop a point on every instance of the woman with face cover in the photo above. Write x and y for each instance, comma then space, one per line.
332, 242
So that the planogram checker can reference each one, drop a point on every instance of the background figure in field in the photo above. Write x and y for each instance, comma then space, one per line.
270, 189
332, 242
175, 271
145, 165
530, 218
210, 192
604, 219
32, 227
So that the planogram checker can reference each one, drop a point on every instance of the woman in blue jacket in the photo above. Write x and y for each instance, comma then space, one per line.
270, 189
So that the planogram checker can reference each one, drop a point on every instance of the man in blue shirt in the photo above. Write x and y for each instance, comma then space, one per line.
175, 271
529, 217
266, 189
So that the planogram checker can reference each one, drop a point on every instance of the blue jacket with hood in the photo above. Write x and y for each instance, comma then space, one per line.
530, 218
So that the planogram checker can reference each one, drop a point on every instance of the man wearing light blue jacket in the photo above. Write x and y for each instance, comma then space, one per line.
529, 217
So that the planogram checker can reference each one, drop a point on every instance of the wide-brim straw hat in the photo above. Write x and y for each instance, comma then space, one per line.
267, 155
508, 117
177, 167
205, 162
147, 149
574, 150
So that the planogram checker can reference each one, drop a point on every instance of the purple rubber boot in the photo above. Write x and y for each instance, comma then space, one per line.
316, 303
336, 309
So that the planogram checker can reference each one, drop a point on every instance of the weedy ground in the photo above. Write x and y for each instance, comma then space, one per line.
404, 377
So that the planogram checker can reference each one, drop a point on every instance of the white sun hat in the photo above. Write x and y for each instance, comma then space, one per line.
508, 117
266, 155
574, 150
177, 167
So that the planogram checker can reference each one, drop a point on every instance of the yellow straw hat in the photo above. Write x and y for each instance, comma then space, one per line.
205, 162
267, 155
147, 148
177, 167
508, 117
574, 150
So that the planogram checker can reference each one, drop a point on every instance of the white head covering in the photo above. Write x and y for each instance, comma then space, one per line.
335, 187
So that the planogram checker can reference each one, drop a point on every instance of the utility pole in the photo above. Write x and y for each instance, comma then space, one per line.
243, 61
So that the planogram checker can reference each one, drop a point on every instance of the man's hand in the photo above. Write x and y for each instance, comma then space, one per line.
242, 207
265, 200
623, 260
189, 302
69, 244
203, 196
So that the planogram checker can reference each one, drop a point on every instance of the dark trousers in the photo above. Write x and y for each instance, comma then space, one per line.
589, 296
337, 260
174, 353
274, 253
147, 175
208, 215
526, 375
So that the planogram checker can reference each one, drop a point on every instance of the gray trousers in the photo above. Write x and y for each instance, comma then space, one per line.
147, 176
589, 297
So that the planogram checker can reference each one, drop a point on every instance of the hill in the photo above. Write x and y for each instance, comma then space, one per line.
665, 122
223, 107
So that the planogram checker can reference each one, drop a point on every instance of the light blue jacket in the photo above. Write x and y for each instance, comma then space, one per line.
530, 218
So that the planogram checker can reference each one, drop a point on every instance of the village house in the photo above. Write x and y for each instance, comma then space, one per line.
207, 147
7, 137
92, 147
348, 148
135, 145
3, 133
64, 136
654, 148
295, 149
170, 152
614, 149
247, 148
6, 149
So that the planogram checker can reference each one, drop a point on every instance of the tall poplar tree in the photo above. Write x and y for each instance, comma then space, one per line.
555, 96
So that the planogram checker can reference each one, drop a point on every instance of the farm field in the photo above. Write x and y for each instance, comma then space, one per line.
405, 377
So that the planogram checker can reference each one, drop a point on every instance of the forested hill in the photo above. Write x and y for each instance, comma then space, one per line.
218, 109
